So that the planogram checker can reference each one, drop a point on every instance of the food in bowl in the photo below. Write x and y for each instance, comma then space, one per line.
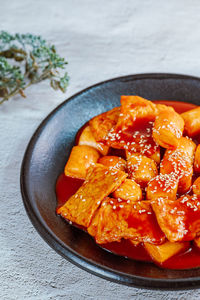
131, 181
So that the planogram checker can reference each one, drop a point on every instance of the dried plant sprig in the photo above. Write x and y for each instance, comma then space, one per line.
27, 59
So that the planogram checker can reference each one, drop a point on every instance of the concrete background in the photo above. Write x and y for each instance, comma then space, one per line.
101, 40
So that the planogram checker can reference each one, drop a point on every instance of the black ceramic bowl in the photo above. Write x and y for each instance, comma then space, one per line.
47, 154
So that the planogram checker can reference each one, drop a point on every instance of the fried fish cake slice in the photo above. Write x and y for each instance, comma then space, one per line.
180, 219
113, 162
116, 220
135, 141
180, 162
168, 128
129, 190
103, 123
192, 121
161, 253
164, 186
133, 108
87, 138
133, 129
99, 183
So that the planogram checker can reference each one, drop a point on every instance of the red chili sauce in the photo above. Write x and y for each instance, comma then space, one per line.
67, 186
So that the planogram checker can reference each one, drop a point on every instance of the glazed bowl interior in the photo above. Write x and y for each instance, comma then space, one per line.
47, 154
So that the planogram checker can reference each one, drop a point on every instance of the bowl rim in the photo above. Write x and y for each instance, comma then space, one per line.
69, 254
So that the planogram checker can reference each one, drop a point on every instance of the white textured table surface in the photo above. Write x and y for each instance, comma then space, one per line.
101, 40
